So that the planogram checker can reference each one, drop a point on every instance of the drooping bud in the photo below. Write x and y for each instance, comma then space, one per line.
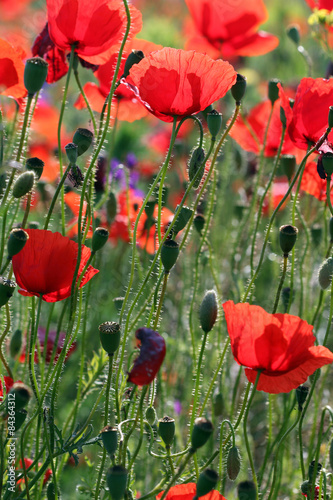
23, 184
20, 394
7, 288
15, 343
233, 463
199, 223
207, 481
302, 392
110, 439
207, 110
100, 237
214, 122
288, 165
238, 89
109, 334
325, 273
134, 58
247, 491
293, 33
83, 139
20, 417
288, 236
183, 217
116, 478
283, 118
202, 430
166, 430
151, 415
327, 162
169, 254
72, 152
36, 165
196, 166
35, 73
273, 90
16, 241
208, 311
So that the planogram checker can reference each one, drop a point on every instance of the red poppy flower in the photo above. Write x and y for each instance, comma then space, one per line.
95, 27
320, 4
174, 82
308, 119
312, 184
27, 463
11, 71
152, 353
280, 345
188, 492
47, 263
44, 47
229, 29
8, 384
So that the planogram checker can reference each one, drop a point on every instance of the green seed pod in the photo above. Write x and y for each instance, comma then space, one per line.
23, 184
35, 165
207, 110
218, 404
83, 139
330, 117
233, 463
166, 430
7, 288
316, 234
208, 311
184, 216
207, 481
20, 417
134, 58
100, 237
111, 207
202, 430
293, 33
169, 254
72, 152
273, 90
288, 236
109, 334
214, 122
247, 491
238, 89
15, 343
151, 415
327, 162
288, 165
20, 394
325, 273
116, 478
195, 165
199, 223
110, 439
35, 73
16, 241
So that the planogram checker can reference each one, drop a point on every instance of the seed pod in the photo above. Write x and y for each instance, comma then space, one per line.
233, 463
7, 288
208, 311
238, 89
83, 139
247, 491
109, 334
166, 430
35, 73
20, 417
196, 164
330, 117
201, 432
72, 152
327, 162
288, 236
325, 273
273, 90
206, 482
116, 478
110, 439
316, 234
214, 122
23, 184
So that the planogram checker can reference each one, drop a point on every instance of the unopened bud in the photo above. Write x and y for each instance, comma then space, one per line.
15, 343
100, 237
183, 217
325, 273
206, 482
273, 90
199, 223
35, 73
208, 311
134, 58
233, 463
327, 162
214, 122
23, 184
196, 167
238, 89
201, 432
36, 165
151, 415
83, 139
20, 393
293, 33
288, 165
169, 254
7, 288
16, 241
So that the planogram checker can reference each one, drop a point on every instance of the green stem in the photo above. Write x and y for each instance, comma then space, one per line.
3, 336
77, 78
158, 312
197, 380
283, 275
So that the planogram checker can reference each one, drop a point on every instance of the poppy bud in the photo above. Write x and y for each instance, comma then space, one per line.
166, 430
331, 454
116, 478
51, 491
100, 237
35, 165
206, 482
233, 463
218, 404
150, 207
316, 234
273, 90
15, 343
118, 302
207, 110
72, 152
301, 395
199, 223
35, 73
286, 297
34, 225
327, 162
214, 122
151, 415
111, 207
169, 254
306, 487
183, 217
331, 229
325, 273
201, 432
312, 470
247, 490
16, 241
109, 334
293, 33
196, 164
288, 236
288, 165
110, 439
238, 89
20, 417
134, 58
20, 394
23, 184
83, 139
208, 311
330, 117
7, 288
283, 118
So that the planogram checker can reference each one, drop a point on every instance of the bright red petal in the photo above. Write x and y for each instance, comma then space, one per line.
11, 71
187, 492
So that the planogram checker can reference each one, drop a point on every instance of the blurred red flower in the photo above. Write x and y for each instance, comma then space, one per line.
308, 119
8, 384
188, 492
174, 82
312, 184
52, 335
47, 263
280, 345
73, 200
95, 27
27, 463
11, 71
152, 353
320, 4
229, 28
